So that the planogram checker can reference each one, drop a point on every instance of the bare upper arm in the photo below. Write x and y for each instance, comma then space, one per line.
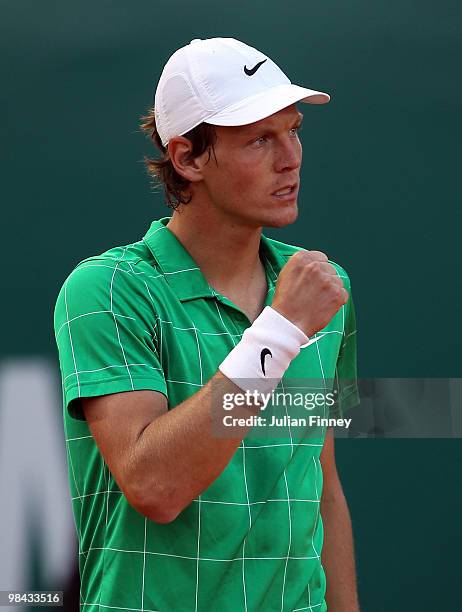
116, 422
331, 481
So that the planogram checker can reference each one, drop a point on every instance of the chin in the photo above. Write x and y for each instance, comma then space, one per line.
282, 217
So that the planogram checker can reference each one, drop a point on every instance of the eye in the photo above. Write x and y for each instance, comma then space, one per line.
294, 131
260, 140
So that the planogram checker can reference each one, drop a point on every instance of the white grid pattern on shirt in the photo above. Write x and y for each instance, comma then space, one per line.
287, 486
197, 558
243, 446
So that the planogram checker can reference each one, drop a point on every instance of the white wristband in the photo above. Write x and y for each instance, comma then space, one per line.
267, 347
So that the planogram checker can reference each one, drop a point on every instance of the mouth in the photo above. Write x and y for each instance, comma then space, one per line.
289, 192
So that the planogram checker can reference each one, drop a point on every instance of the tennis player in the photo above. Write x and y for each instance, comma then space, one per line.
153, 335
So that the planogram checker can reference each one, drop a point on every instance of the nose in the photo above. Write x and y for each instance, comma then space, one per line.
288, 155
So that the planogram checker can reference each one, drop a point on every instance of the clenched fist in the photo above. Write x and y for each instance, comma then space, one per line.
309, 291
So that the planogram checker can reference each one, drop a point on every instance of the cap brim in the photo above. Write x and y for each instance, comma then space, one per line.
265, 104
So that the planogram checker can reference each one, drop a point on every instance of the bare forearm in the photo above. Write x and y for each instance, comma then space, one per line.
177, 456
338, 555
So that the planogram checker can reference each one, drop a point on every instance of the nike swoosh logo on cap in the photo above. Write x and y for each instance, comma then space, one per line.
313, 340
252, 71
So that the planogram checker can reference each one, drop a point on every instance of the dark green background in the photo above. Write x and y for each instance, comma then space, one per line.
380, 195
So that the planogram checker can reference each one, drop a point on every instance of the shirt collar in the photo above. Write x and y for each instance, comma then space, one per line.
182, 272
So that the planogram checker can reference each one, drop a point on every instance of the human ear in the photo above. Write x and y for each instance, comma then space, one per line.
179, 150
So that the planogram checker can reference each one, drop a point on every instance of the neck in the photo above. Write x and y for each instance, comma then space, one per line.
226, 252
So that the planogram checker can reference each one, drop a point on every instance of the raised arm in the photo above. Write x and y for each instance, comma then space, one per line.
162, 459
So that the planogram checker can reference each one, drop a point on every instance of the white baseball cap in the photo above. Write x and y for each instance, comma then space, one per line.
222, 81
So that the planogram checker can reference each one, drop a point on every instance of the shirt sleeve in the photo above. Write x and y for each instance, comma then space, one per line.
345, 382
105, 331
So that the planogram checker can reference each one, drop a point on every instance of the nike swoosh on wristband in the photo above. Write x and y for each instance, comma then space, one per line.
312, 341
252, 71
263, 354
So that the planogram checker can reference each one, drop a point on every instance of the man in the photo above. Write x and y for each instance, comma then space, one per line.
153, 334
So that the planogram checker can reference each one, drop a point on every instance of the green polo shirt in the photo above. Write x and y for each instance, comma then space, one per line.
143, 316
